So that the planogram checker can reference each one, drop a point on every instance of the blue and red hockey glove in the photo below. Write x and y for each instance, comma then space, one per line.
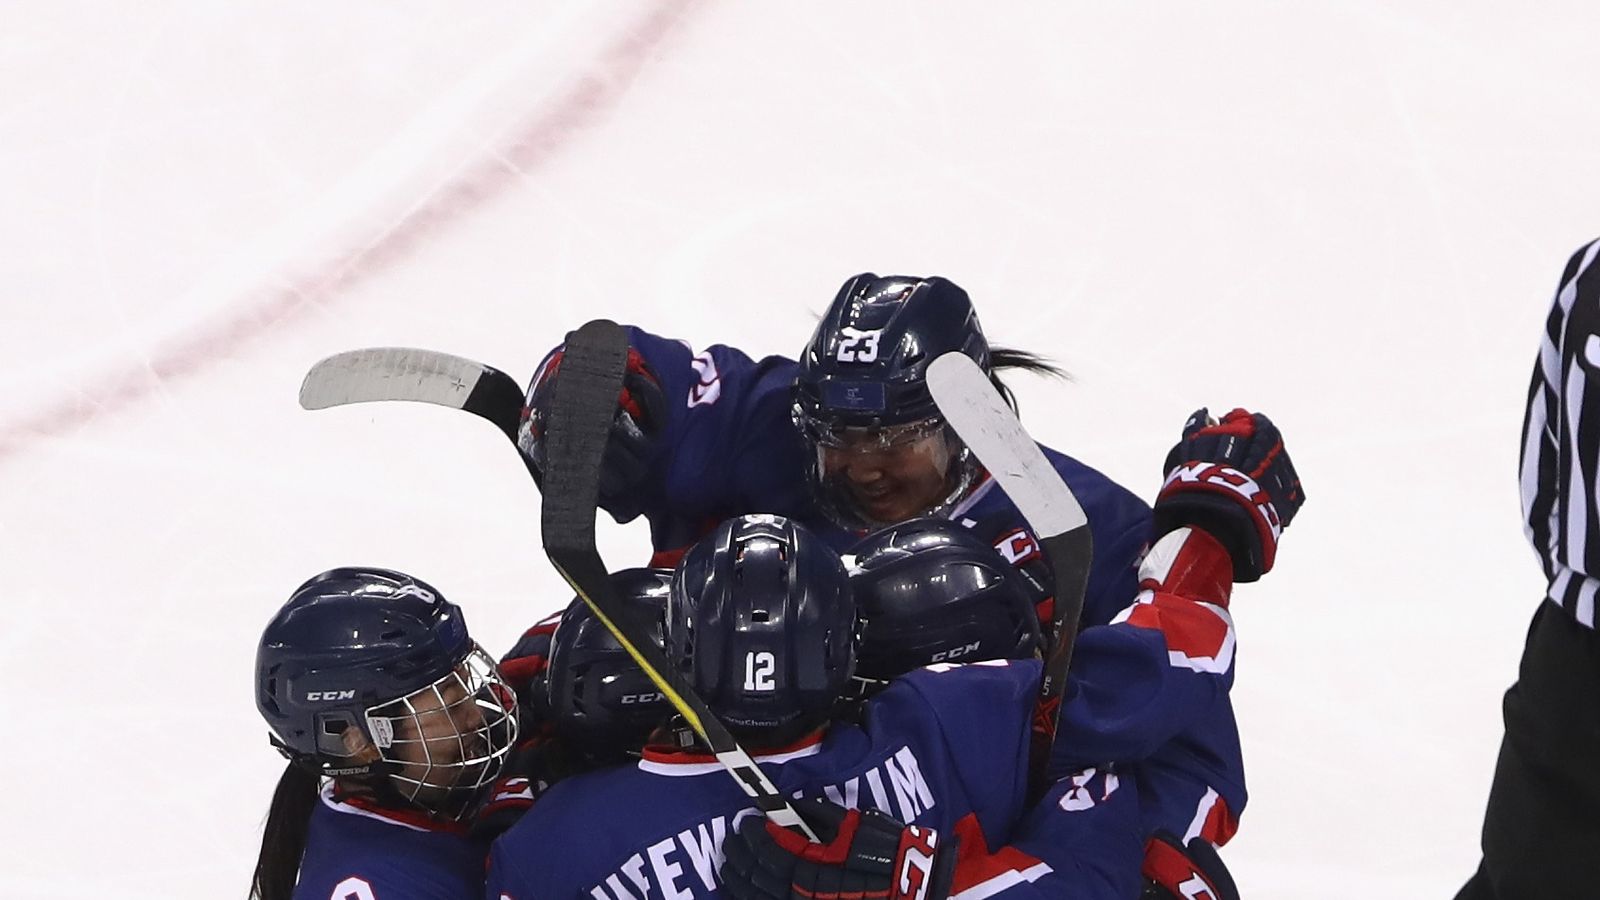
1173, 871
859, 856
1233, 479
641, 414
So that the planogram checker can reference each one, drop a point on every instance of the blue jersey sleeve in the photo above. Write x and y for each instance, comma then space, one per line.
1153, 687
728, 445
983, 714
1120, 525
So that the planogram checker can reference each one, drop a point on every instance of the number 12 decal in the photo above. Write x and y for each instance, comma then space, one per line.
758, 668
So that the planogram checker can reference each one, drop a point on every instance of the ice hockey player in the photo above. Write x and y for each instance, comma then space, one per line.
585, 702
845, 440
1149, 691
392, 720
930, 591
762, 623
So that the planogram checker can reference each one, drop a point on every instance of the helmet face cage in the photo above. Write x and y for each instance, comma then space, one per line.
444, 742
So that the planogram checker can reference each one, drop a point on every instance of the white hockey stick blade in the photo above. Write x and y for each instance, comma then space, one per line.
972, 406
390, 373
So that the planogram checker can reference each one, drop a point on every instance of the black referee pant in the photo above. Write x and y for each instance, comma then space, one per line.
1541, 832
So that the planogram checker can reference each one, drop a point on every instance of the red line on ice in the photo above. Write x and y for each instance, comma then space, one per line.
536, 143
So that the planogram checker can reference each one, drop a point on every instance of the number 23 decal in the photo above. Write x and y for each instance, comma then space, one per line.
859, 346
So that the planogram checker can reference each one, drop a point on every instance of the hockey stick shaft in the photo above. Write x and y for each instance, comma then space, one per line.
972, 406
592, 370
583, 402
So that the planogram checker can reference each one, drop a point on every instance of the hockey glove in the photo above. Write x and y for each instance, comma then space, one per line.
1234, 480
861, 856
1175, 872
641, 414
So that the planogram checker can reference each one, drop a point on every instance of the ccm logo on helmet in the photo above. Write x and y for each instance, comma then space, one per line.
330, 695
954, 652
628, 699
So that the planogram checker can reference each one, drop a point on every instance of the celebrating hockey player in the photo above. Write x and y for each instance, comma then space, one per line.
762, 622
846, 440
1149, 692
392, 720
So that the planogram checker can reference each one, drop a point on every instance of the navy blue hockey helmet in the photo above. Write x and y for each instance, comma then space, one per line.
598, 696
762, 623
864, 373
384, 654
929, 590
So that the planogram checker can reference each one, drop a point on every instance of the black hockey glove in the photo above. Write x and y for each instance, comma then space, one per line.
1173, 871
1234, 480
861, 855
641, 414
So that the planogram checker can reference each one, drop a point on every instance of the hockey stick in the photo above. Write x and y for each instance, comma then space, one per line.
969, 402
583, 400
423, 376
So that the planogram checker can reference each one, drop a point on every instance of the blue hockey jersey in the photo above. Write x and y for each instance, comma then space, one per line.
1151, 691
729, 447
1135, 695
945, 747
359, 851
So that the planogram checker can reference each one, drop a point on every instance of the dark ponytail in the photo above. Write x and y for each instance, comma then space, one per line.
1007, 358
283, 840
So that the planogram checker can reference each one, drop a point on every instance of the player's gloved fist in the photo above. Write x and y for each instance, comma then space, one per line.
641, 414
860, 856
1173, 871
1233, 479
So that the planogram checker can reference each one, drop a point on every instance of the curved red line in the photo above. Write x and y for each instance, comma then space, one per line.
578, 108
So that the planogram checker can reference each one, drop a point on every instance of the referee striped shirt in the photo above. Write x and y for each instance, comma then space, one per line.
1560, 466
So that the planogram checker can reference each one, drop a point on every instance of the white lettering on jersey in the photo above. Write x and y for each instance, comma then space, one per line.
911, 792
895, 786
1082, 795
666, 872
709, 386
1018, 547
352, 888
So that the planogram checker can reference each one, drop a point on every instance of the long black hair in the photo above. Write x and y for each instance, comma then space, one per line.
283, 840
1001, 358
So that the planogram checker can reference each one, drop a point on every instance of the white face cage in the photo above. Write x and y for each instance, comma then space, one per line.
449, 739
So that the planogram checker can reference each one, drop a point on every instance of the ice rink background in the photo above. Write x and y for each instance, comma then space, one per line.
1350, 218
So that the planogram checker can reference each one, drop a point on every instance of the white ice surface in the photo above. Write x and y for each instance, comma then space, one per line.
1348, 215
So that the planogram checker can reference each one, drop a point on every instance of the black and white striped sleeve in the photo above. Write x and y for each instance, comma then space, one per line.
1560, 460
